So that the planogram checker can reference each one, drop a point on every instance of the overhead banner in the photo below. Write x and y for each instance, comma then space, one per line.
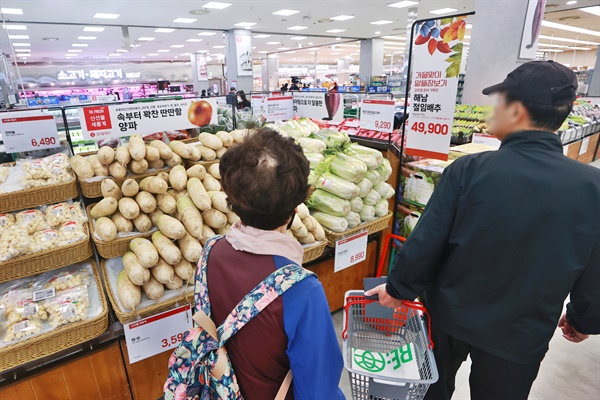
377, 115
531, 29
121, 120
243, 49
327, 106
437, 56
201, 68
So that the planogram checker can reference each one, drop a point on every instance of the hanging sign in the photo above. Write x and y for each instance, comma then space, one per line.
326, 106
436, 66
350, 251
159, 333
28, 131
531, 29
201, 67
377, 115
118, 120
243, 49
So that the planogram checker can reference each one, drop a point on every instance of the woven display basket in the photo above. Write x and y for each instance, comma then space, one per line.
372, 227
38, 196
314, 252
126, 317
59, 339
32, 264
117, 247
91, 190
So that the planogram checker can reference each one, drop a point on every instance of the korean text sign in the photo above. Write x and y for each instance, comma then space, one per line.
377, 115
318, 105
119, 120
436, 66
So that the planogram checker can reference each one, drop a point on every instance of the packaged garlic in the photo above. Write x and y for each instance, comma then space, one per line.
22, 315
65, 279
32, 220
7, 220
43, 240
67, 307
3, 173
14, 242
71, 232
58, 214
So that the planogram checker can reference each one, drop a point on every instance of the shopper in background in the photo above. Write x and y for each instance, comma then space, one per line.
203, 94
243, 101
505, 238
284, 88
231, 97
265, 179
294, 87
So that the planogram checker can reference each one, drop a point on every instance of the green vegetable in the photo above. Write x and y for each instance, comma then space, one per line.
308, 126
385, 170
371, 198
373, 176
384, 189
331, 137
381, 208
365, 187
322, 201
347, 167
353, 219
314, 159
356, 204
367, 213
333, 223
338, 186
311, 145
312, 178
410, 222
371, 157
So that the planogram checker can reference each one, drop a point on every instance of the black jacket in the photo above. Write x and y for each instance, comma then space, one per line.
506, 236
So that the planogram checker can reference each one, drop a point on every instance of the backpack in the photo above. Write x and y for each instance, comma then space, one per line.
200, 368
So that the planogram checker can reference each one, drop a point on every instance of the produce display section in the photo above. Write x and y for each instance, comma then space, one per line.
468, 120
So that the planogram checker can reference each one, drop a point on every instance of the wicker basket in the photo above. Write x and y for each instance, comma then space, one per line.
59, 339
126, 317
314, 252
91, 190
39, 196
205, 164
117, 247
372, 227
32, 264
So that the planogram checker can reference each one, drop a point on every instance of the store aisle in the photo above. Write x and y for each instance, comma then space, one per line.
569, 372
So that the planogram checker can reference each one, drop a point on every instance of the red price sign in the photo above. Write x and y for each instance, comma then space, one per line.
172, 341
357, 257
43, 142
431, 128
28, 131
350, 251
377, 115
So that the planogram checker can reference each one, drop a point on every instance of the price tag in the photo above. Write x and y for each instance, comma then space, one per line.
28, 131
584, 145
157, 334
377, 115
350, 251
566, 150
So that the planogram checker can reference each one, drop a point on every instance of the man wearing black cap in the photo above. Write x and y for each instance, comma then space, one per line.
505, 238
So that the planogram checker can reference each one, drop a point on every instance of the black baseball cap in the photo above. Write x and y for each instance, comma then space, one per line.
541, 82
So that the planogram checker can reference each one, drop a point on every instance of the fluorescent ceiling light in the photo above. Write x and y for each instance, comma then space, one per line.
335, 30
146, 39
394, 37
261, 36
342, 17
378, 32
552, 45
74, 51
338, 38
79, 45
402, 4
263, 52
245, 24
286, 13
272, 43
114, 54
283, 48
560, 39
176, 46
163, 51
15, 27
549, 24
572, 2
194, 40
185, 54
592, 10
297, 28
216, 5
13, 11
93, 29
207, 33
218, 47
106, 16
22, 44
381, 22
185, 20
298, 37
153, 54
23, 55
121, 51
70, 55
17, 37
164, 30
579, 48
443, 11
86, 38
469, 26
23, 50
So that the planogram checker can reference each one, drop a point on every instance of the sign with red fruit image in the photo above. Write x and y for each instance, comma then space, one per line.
437, 55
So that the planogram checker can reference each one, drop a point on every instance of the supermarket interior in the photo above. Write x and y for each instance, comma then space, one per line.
114, 119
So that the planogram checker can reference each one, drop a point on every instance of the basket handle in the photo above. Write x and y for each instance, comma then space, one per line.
415, 305
386, 245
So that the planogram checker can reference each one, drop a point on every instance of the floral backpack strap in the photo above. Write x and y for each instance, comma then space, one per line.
201, 299
259, 298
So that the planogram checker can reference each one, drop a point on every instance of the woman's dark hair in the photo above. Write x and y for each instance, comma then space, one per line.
242, 95
265, 178
544, 116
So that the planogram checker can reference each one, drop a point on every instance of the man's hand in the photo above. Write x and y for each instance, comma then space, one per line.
384, 298
569, 332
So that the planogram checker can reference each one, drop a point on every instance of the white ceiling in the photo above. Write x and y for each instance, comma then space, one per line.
161, 13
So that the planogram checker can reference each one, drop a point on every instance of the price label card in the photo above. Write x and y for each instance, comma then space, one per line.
585, 143
28, 131
350, 251
157, 334
377, 115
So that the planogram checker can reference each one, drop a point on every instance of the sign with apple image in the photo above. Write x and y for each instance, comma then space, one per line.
200, 113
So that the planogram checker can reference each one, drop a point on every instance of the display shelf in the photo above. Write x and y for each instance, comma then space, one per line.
90, 188
377, 225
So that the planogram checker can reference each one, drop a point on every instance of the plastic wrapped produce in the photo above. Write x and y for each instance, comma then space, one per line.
14, 241
32, 220
385, 170
67, 307
7, 220
43, 240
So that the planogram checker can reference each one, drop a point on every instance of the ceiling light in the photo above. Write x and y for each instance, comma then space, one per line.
297, 28
261, 36
378, 32
23, 55
176, 46
592, 10
121, 51
86, 38
106, 16
402, 4
146, 39
17, 37
263, 52
22, 44
13, 11
310, 43
186, 54
163, 51
298, 37
569, 28
283, 48
70, 55
23, 50
194, 40
207, 33
114, 54
443, 11
216, 5
338, 38
335, 30
394, 37
15, 27
218, 47
245, 24
286, 13
560, 39
342, 17
79, 45
74, 51
381, 22
93, 29
272, 42
552, 45
572, 2
579, 48
153, 54
164, 30
185, 20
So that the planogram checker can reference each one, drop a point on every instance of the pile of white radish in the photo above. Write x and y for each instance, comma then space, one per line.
305, 228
